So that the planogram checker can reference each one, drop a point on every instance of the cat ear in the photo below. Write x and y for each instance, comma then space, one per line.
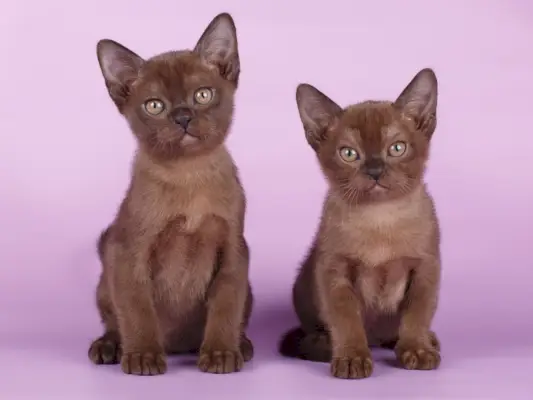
316, 112
120, 67
218, 47
418, 101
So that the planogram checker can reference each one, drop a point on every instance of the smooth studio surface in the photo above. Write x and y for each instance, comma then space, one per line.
64, 165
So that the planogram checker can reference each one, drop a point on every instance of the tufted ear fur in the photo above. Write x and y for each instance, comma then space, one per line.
418, 101
120, 67
316, 112
218, 46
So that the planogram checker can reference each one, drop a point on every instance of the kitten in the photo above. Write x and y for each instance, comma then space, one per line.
175, 260
372, 275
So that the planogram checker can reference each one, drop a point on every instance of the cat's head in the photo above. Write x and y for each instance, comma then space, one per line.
177, 103
375, 150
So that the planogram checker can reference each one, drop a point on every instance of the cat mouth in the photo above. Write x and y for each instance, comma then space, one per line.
188, 138
378, 187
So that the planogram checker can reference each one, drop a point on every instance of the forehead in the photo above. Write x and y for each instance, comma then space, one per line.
175, 73
369, 121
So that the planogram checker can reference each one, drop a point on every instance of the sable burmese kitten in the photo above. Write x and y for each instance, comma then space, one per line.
372, 274
175, 261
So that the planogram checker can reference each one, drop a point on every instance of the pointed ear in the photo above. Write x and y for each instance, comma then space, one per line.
418, 101
120, 67
316, 112
218, 47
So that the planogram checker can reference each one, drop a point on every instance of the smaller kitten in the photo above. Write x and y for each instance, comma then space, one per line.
175, 260
373, 272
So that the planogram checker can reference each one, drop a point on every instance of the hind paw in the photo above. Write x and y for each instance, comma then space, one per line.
105, 350
247, 348
433, 339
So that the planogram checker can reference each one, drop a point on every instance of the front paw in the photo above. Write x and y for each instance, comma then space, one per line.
419, 357
357, 365
147, 363
220, 361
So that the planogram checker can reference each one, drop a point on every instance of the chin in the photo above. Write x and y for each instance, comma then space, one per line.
378, 195
199, 147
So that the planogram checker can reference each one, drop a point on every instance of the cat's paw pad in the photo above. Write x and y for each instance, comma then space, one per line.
220, 361
147, 363
356, 366
418, 357
105, 350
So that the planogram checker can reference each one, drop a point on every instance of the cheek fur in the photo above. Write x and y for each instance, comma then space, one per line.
403, 176
411, 165
396, 179
152, 131
211, 124
217, 118
203, 126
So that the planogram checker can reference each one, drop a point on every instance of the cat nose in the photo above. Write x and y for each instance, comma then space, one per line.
182, 117
374, 173
183, 120
374, 168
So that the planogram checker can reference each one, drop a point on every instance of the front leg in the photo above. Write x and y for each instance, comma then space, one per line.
142, 349
416, 343
342, 310
220, 351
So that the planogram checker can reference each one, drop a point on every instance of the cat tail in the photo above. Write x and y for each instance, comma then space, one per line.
310, 346
102, 241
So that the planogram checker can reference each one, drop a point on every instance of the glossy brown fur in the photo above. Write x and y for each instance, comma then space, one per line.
175, 260
372, 275
174, 76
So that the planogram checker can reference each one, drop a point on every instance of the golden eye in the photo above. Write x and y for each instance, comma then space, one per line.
397, 149
348, 154
154, 106
203, 96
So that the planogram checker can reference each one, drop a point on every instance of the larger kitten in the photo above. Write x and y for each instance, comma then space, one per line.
175, 260
372, 275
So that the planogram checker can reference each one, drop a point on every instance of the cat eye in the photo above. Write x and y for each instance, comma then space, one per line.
348, 154
154, 107
397, 149
203, 96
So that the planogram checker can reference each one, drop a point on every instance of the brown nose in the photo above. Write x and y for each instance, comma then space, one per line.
374, 168
182, 116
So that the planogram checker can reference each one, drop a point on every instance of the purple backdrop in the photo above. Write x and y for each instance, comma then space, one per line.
64, 165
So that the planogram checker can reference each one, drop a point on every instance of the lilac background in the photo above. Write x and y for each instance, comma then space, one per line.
64, 165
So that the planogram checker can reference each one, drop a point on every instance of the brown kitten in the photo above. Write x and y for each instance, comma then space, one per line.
175, 260
372, 275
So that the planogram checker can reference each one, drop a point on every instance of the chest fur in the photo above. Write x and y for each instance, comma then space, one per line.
383, 287
183, 272
189, 223
185, 254
186, 206
382, 237
377, 234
